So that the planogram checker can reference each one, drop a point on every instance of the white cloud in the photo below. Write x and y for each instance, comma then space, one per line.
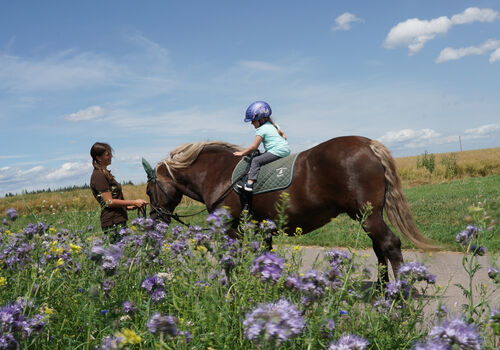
344, 21
415, 32
69, 170
261, 66
495, 56
483, 130
449, 53
89, 113
408, 135
474, 14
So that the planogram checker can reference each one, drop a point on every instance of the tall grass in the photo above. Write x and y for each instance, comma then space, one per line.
447, 166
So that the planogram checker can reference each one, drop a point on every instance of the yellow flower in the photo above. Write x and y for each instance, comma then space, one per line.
133, 228
296, 248
52, 230
128, 336
202, 248
192, 240
75, 248
298, 231
3, 281
7, 232
48, 311
60, 262
166, 247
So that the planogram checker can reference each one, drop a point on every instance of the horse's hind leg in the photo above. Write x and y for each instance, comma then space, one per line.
385, 244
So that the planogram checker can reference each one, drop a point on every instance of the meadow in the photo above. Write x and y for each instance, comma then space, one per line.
63, 285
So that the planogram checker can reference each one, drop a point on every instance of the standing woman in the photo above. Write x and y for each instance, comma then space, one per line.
108, 192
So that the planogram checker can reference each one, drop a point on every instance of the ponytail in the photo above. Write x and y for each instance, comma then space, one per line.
280, 132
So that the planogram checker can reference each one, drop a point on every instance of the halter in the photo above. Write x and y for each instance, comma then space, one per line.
164, 214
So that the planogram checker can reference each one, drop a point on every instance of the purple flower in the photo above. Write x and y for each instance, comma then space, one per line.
273, 322
107, 286
110, 343
154, 286
267, 226
494, 274
457, 332
338, 257
477, 250
397, 288
415, 271
11, 213
434, 344
349, 342
90, 228
219, 219
466, 235
327, 328
15, 323
163, 324
161, 227
268, 267
382, 305
312, 285
129, 307
5, 222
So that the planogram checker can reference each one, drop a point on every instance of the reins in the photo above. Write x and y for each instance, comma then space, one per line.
166, 215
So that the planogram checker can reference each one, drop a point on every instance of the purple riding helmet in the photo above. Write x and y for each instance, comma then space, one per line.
257, 110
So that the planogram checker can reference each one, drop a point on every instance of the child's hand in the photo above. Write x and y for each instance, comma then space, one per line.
238, 154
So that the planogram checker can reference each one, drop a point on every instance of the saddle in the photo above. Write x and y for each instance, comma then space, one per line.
273, 176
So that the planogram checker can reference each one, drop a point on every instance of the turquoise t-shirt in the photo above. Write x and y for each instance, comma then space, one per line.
272, 140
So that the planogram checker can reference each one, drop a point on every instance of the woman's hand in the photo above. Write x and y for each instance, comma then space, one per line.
139, 203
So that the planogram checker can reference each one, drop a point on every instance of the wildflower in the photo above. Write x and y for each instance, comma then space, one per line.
104, 312
415, 271
129, 307
311, 284
268, 266
338, 257
154, 286
397, 288
267, 226
327, 328
273, 322
298, 231
90, 228
11, 213
5, 222
75, 248
219, 219
477, 250
466, 235
343, 312
3, 281
433, 344
109, 343
457, 332
107, 286
14, 322
349, 342
494, 274
128, 336
163, 324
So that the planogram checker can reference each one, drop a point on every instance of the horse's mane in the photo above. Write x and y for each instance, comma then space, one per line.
184, 155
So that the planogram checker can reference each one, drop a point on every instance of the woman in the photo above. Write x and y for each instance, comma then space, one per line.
108, 193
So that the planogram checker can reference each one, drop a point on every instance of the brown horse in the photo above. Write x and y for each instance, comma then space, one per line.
338, 176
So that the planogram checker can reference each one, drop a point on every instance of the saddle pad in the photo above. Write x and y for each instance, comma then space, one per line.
272, 176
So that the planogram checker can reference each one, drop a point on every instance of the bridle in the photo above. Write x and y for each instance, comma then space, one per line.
167, 215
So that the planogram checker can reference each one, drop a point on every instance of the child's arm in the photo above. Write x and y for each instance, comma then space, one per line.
251, 148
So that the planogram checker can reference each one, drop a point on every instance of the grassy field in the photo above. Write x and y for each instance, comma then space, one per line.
440, 205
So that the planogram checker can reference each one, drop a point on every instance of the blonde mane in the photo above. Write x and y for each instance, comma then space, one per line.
184, 155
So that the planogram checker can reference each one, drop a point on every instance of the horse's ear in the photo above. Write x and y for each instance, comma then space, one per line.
149, 170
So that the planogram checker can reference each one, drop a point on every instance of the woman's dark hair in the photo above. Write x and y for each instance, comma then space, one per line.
97, 150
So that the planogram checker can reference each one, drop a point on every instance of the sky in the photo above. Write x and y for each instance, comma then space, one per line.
147, 76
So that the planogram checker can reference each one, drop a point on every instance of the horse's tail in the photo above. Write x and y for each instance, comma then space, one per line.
396, 206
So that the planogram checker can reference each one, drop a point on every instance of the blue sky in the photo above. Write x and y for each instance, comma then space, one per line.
148, 76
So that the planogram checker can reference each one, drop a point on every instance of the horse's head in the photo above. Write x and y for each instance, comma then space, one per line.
162, 192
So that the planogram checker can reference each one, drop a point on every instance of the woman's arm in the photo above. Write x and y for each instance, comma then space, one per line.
251, 148
116, 203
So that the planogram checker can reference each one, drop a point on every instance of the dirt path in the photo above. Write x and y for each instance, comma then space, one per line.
447, 266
